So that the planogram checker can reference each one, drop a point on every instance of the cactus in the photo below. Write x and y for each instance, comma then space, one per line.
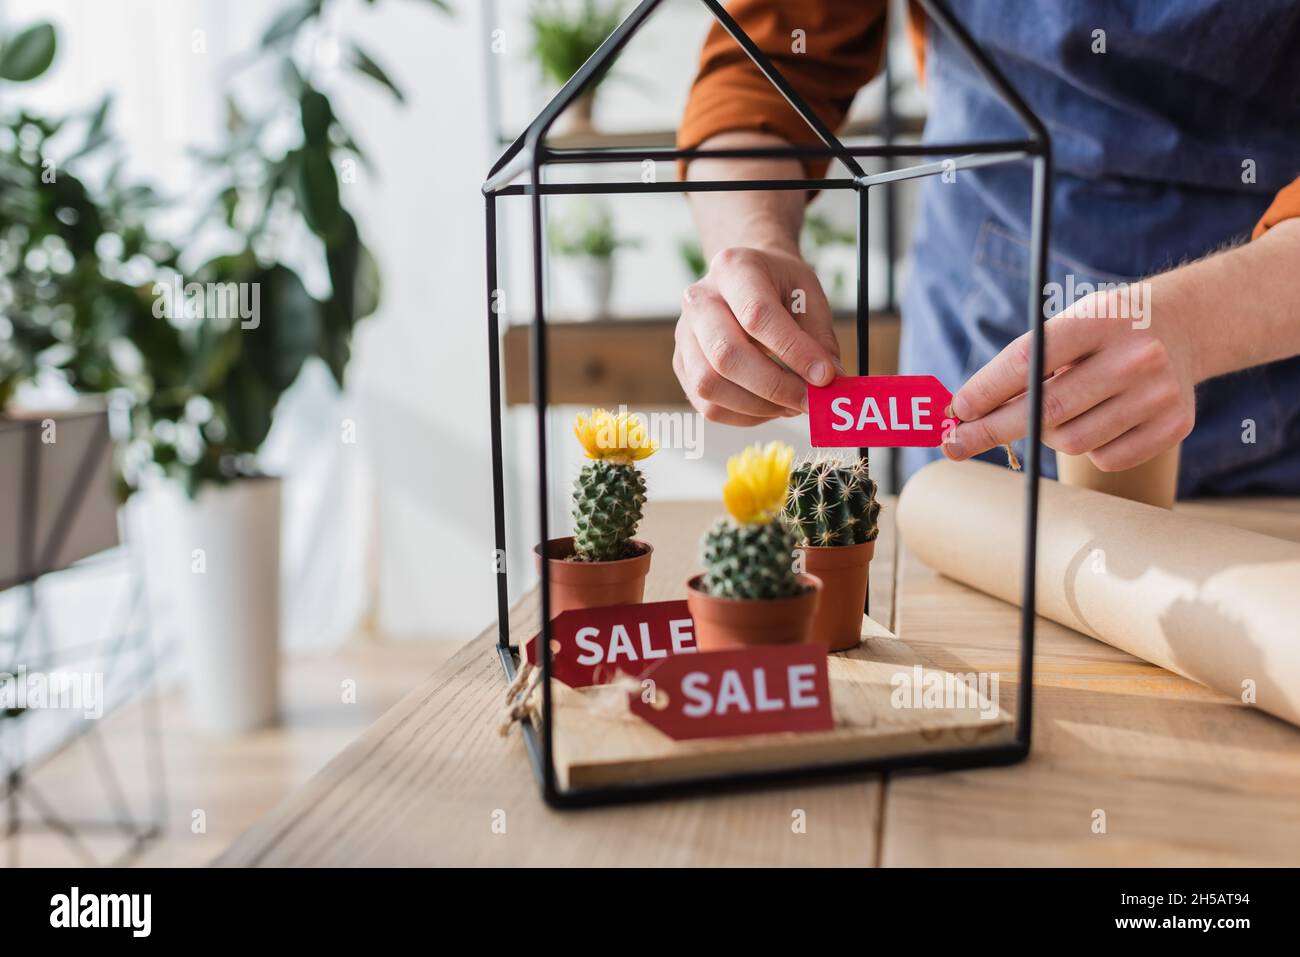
749, 561
750, 554
610, 491
607, 502
833, 502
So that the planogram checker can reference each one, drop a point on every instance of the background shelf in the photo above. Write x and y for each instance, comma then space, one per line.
630, 361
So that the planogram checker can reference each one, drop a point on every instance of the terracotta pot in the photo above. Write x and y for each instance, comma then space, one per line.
593, 584
844, 572
577, 119
724, 623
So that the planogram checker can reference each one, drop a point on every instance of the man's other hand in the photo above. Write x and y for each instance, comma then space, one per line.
753, 333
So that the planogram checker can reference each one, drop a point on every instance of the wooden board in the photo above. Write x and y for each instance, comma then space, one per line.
599, 741
429, 783
1184, 775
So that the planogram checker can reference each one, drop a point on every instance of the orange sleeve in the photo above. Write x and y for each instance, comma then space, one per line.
842, 43
1285, 205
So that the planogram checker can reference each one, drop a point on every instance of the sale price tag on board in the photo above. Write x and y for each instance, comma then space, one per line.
589, 646
760, 690
880, 411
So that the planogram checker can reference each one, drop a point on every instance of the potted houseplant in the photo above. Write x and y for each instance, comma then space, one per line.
833, 511
750, 593
601, 563
211, 411
201, 352
64, 297
586, 241
565, 35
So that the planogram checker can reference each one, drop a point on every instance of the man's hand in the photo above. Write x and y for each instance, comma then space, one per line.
759, 303
754, 307
1117, 391
1121, 365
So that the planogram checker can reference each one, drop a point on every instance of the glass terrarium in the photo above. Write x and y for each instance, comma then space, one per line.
518, 176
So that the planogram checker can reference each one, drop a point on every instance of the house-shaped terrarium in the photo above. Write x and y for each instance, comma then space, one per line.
603, 735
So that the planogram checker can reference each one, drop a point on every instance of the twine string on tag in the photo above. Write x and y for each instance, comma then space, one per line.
523, 697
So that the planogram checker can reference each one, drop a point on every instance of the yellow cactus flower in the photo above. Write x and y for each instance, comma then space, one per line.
613, 436
757, 482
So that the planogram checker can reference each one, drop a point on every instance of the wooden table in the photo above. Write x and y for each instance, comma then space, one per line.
1176, 774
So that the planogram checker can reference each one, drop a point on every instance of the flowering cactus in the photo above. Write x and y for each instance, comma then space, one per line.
750, 553
609, 493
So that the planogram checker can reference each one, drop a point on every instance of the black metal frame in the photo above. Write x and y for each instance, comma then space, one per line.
529, 154
31, 644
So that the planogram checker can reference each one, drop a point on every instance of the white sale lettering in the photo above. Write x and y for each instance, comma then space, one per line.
745, 692
622, 647
871, 415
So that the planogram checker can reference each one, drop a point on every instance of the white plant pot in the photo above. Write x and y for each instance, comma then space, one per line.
230, 604
590, 285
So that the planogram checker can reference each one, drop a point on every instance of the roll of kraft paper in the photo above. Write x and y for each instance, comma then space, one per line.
1213, 603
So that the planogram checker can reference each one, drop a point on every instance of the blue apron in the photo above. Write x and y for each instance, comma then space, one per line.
1149, 140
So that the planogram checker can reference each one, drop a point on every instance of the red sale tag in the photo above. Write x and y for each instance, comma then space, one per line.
759, 690
589, 646
879, 411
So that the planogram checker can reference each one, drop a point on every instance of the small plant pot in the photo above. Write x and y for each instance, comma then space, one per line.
593, 584
577, 119
722, 624
588, 286
845, 572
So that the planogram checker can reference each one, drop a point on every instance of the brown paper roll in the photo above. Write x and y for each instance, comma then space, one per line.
1213, 603
1154, 482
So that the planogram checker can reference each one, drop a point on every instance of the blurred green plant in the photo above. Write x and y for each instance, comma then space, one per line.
587, 229
76, 265
565, 35
23, 57
820, 235
93, 285
27, 54
692, 257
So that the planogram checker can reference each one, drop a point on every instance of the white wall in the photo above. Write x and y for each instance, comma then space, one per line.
421, 362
